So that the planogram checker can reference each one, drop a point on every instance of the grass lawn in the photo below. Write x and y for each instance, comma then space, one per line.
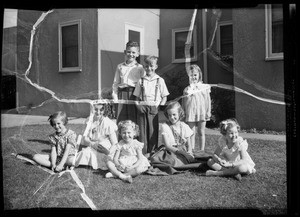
26, 186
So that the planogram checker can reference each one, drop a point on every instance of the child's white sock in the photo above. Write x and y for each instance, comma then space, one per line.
109, 175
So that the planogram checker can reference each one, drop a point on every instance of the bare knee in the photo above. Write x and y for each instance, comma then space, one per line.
243, 168
210, 162
36, 157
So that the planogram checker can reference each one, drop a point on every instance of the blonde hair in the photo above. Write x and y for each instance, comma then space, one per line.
172, 105
151, 59
128, 124
60, 114
196, 68
228, 124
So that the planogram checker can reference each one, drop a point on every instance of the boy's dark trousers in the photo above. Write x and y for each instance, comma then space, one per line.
126, 111
149, 126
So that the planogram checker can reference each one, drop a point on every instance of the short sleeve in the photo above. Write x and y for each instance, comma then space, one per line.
167, 132
187, 131
72, 139
243, 145
222, 142
52, 140
138, 145
164, 89
110, 126
165, 129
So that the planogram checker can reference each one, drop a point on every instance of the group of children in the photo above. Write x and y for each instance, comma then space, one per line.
127, 148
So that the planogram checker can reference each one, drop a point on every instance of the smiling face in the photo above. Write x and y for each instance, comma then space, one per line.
232, 134
99, 110
127, 134
194, 77
150, 68
59, 126
131, 53
173, 115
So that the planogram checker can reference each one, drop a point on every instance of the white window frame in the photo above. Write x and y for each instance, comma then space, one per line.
79, 67
194, 54
137, 28
268, 25
222, 23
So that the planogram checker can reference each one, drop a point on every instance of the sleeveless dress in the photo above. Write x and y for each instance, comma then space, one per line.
197, 105
232, 154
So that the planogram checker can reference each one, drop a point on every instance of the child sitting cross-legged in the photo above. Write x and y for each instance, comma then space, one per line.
230, 157
128, 160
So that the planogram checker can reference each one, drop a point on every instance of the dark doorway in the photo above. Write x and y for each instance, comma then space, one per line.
8, 92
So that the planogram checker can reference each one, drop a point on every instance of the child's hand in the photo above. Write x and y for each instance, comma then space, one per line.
190, 153
58, 168
128, 168
120, 167
225, 164
222, 162
53, 167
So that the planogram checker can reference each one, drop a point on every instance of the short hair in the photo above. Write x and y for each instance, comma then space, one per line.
228, 124
196, 68
172, 105
126, 124
60, 114
133, 44
151, 59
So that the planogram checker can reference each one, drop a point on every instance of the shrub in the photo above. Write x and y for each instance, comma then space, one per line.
222, 106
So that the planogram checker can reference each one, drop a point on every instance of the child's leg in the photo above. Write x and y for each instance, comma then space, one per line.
240, 169
192, 125
212, 164
136, 171
201, 133
42, 159
70, 161
153, 126
112, 168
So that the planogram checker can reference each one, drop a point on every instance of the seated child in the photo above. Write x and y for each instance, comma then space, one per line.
230, 157
98, 144
63, 144
128, 160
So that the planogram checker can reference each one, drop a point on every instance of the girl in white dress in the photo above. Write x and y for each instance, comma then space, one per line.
100, 142
230, 157
197, 105
128, 160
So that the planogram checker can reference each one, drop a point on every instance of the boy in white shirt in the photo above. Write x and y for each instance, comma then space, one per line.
152, 89
127, 75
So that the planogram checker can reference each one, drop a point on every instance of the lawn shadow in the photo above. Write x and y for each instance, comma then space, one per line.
100, 172
29, 156
46, 151
39, 141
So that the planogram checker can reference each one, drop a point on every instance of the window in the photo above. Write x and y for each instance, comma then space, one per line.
274, 32
225, 41
70, 48
179, 37
135, 33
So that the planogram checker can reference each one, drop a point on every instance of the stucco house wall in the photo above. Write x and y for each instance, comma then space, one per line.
266, 77
103, 44
45, 67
